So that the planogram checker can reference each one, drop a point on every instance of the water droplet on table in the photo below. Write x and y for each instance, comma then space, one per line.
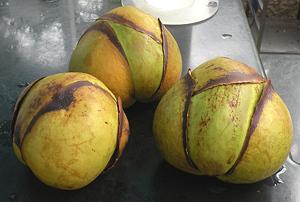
2, 124
4, 127
27, 29
94, 16
23, 85
77, 20
276, 177
42, 16
226, 36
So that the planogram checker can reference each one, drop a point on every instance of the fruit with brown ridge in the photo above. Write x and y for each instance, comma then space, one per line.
224, 120
68, 128
131, 52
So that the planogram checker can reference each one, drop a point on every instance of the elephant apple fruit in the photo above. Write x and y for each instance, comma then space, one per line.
223, 119
68, 128
131, 52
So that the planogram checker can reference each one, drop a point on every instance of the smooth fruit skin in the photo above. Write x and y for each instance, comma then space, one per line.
66, 129
131, 52
224, 120
268, 146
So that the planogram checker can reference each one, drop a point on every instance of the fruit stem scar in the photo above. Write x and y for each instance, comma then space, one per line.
265, 96
114, 158
61, 100
190, 84
123, 21
231, 78
165, 50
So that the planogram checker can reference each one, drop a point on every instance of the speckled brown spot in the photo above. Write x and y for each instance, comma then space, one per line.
219, 69
204, 121
233, 103
266, 95
209, 66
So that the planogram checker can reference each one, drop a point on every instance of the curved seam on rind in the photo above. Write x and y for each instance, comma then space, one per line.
264, 97
115, 156
17, 109
226, 84
190, 84
106, 29
54, 104
123, 21
165, 50
230, 79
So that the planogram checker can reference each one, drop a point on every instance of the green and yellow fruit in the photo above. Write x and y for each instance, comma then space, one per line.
68, 128
224, 120
131, 52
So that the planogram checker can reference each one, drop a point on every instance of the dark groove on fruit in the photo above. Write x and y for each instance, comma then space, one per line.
165, 49
231, 78
123, 21
61, 100
15, 129
190, 84
114, 158
106, 29
266, 95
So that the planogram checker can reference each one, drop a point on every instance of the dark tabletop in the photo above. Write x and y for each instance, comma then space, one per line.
37, 38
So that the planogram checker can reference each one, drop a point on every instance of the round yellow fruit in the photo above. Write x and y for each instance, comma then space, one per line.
225, 120
132, 52
68, 128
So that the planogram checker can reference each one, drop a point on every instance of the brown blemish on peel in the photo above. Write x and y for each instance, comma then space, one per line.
106, 29
190, 84
232, 78
218, 68
266, 95
15, 129
165, 50
117, 153
61, 100
123, 21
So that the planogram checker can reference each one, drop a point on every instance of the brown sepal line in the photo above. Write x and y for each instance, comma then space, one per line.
116, 155
123, 21
232, 78
265, 96
14, 130
106, 29
61, 100
190, 84
165, 50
